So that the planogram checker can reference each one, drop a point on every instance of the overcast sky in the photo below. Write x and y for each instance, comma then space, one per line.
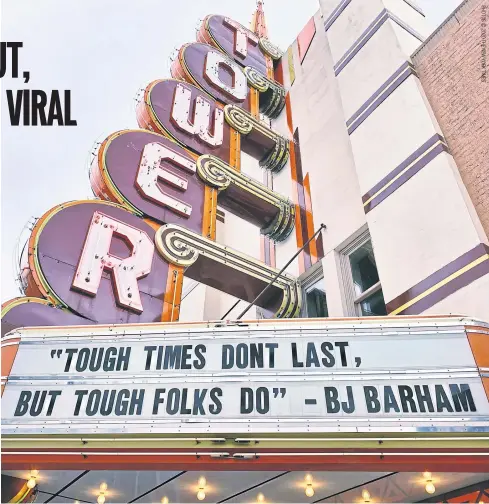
103, 51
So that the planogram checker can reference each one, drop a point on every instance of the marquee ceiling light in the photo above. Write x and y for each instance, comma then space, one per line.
309, 488
102, 491
430, 487
366, 495
31, 482
202, 483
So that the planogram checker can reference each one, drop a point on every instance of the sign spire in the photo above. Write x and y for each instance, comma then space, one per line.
258, 22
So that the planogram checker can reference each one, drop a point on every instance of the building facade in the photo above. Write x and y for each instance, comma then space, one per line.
390, 155
358, 162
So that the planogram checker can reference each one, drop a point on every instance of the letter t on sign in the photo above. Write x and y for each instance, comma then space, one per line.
96, 258
241, 38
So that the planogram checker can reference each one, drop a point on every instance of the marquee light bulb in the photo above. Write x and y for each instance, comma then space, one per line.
103, 487
202, 482
201, 495
165, 500
308, 478
309, 491
31, 483
260, 497
101, 499
430, 488
366, 495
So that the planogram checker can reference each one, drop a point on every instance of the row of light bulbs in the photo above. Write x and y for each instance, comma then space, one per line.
309, 490
202, 483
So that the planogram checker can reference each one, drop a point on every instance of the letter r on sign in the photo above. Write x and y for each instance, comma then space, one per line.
96, 257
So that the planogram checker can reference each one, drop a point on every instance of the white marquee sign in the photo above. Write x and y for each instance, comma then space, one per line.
244, 378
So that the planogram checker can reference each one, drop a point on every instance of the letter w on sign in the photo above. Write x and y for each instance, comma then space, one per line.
96, 258
201, 123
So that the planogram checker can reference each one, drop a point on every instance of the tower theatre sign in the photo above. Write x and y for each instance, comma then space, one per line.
121, 258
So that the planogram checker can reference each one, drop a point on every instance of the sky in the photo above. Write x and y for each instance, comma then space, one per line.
104, 51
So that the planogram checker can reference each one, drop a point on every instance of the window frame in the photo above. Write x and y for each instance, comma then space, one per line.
352, 300
306, 281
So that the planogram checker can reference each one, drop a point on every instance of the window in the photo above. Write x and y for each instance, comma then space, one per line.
362, 289
313, 293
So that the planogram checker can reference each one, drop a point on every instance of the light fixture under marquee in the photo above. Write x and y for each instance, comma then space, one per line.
429, 486
201, 485
366, 496
309, 491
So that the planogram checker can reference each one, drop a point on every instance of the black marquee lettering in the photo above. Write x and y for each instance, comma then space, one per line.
199, 363
96, 356
158, 400
107, 402
424, 397
186, 356
54, 395
123, 358
227, 357
256, 355
173, 401
93, 402
295, 361
311, 356
149, 355
23, 403
122, 403
442, 401
82, 360
183, 404
70, 352
329, 359
371, 399
215, 408
199, 396
407, 401
331, 396
137, 400
390, 401
271, 347
80, 395
342, 346
462, 397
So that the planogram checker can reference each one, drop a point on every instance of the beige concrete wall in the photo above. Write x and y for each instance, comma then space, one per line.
429, 220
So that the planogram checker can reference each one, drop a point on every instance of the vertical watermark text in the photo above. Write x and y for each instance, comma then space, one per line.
484, 43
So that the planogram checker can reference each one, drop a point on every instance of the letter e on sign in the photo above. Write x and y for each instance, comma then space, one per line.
96, 258
150, 170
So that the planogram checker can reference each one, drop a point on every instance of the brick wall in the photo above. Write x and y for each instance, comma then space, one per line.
450, 68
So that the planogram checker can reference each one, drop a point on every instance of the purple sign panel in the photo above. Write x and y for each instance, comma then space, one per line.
234, 39
151, 174
99, 260
188, 115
